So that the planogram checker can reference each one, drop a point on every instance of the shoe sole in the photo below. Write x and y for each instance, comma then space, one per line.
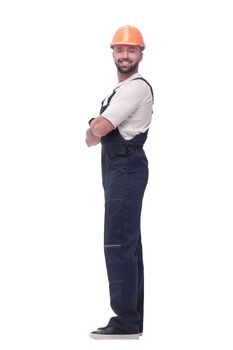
114, 336
102, 328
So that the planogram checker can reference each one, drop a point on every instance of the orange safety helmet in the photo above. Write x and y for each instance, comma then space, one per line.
128, 35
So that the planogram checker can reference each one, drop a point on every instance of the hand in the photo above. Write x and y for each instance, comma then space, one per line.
91, 139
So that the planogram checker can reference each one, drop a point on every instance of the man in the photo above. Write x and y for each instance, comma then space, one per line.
122, 128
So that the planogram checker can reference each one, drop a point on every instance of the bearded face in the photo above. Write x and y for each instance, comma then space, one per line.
127, 58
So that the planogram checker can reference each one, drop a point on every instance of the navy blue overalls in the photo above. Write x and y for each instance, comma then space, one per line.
124, 175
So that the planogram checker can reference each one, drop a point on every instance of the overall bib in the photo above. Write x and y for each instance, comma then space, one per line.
124, 176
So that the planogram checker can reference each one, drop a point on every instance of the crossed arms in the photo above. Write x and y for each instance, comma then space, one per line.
99, 127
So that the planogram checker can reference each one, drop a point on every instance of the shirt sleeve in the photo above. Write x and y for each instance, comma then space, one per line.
127, 99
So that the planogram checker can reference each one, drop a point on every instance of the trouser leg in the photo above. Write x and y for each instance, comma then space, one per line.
123, 254
140, 307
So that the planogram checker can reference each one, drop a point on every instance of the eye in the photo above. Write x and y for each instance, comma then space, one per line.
132, 50
118, 49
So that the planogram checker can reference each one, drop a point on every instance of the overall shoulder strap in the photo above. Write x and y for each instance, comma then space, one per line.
110, 97
140, 78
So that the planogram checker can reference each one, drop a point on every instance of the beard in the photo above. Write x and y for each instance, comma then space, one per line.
131, 68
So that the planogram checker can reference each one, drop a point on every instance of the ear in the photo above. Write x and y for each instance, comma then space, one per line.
141, 56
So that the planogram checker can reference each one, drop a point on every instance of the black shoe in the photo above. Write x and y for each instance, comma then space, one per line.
110, 332
103, 328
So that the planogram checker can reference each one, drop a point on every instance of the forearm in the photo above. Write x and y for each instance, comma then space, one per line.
100, 126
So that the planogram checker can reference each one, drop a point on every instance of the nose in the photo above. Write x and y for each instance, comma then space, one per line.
125, 53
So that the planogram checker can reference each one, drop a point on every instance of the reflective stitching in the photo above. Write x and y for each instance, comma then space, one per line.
112, 245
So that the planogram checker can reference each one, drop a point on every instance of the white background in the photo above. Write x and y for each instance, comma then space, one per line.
55, 68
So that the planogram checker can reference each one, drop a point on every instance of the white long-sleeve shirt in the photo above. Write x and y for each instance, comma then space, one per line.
130, 109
